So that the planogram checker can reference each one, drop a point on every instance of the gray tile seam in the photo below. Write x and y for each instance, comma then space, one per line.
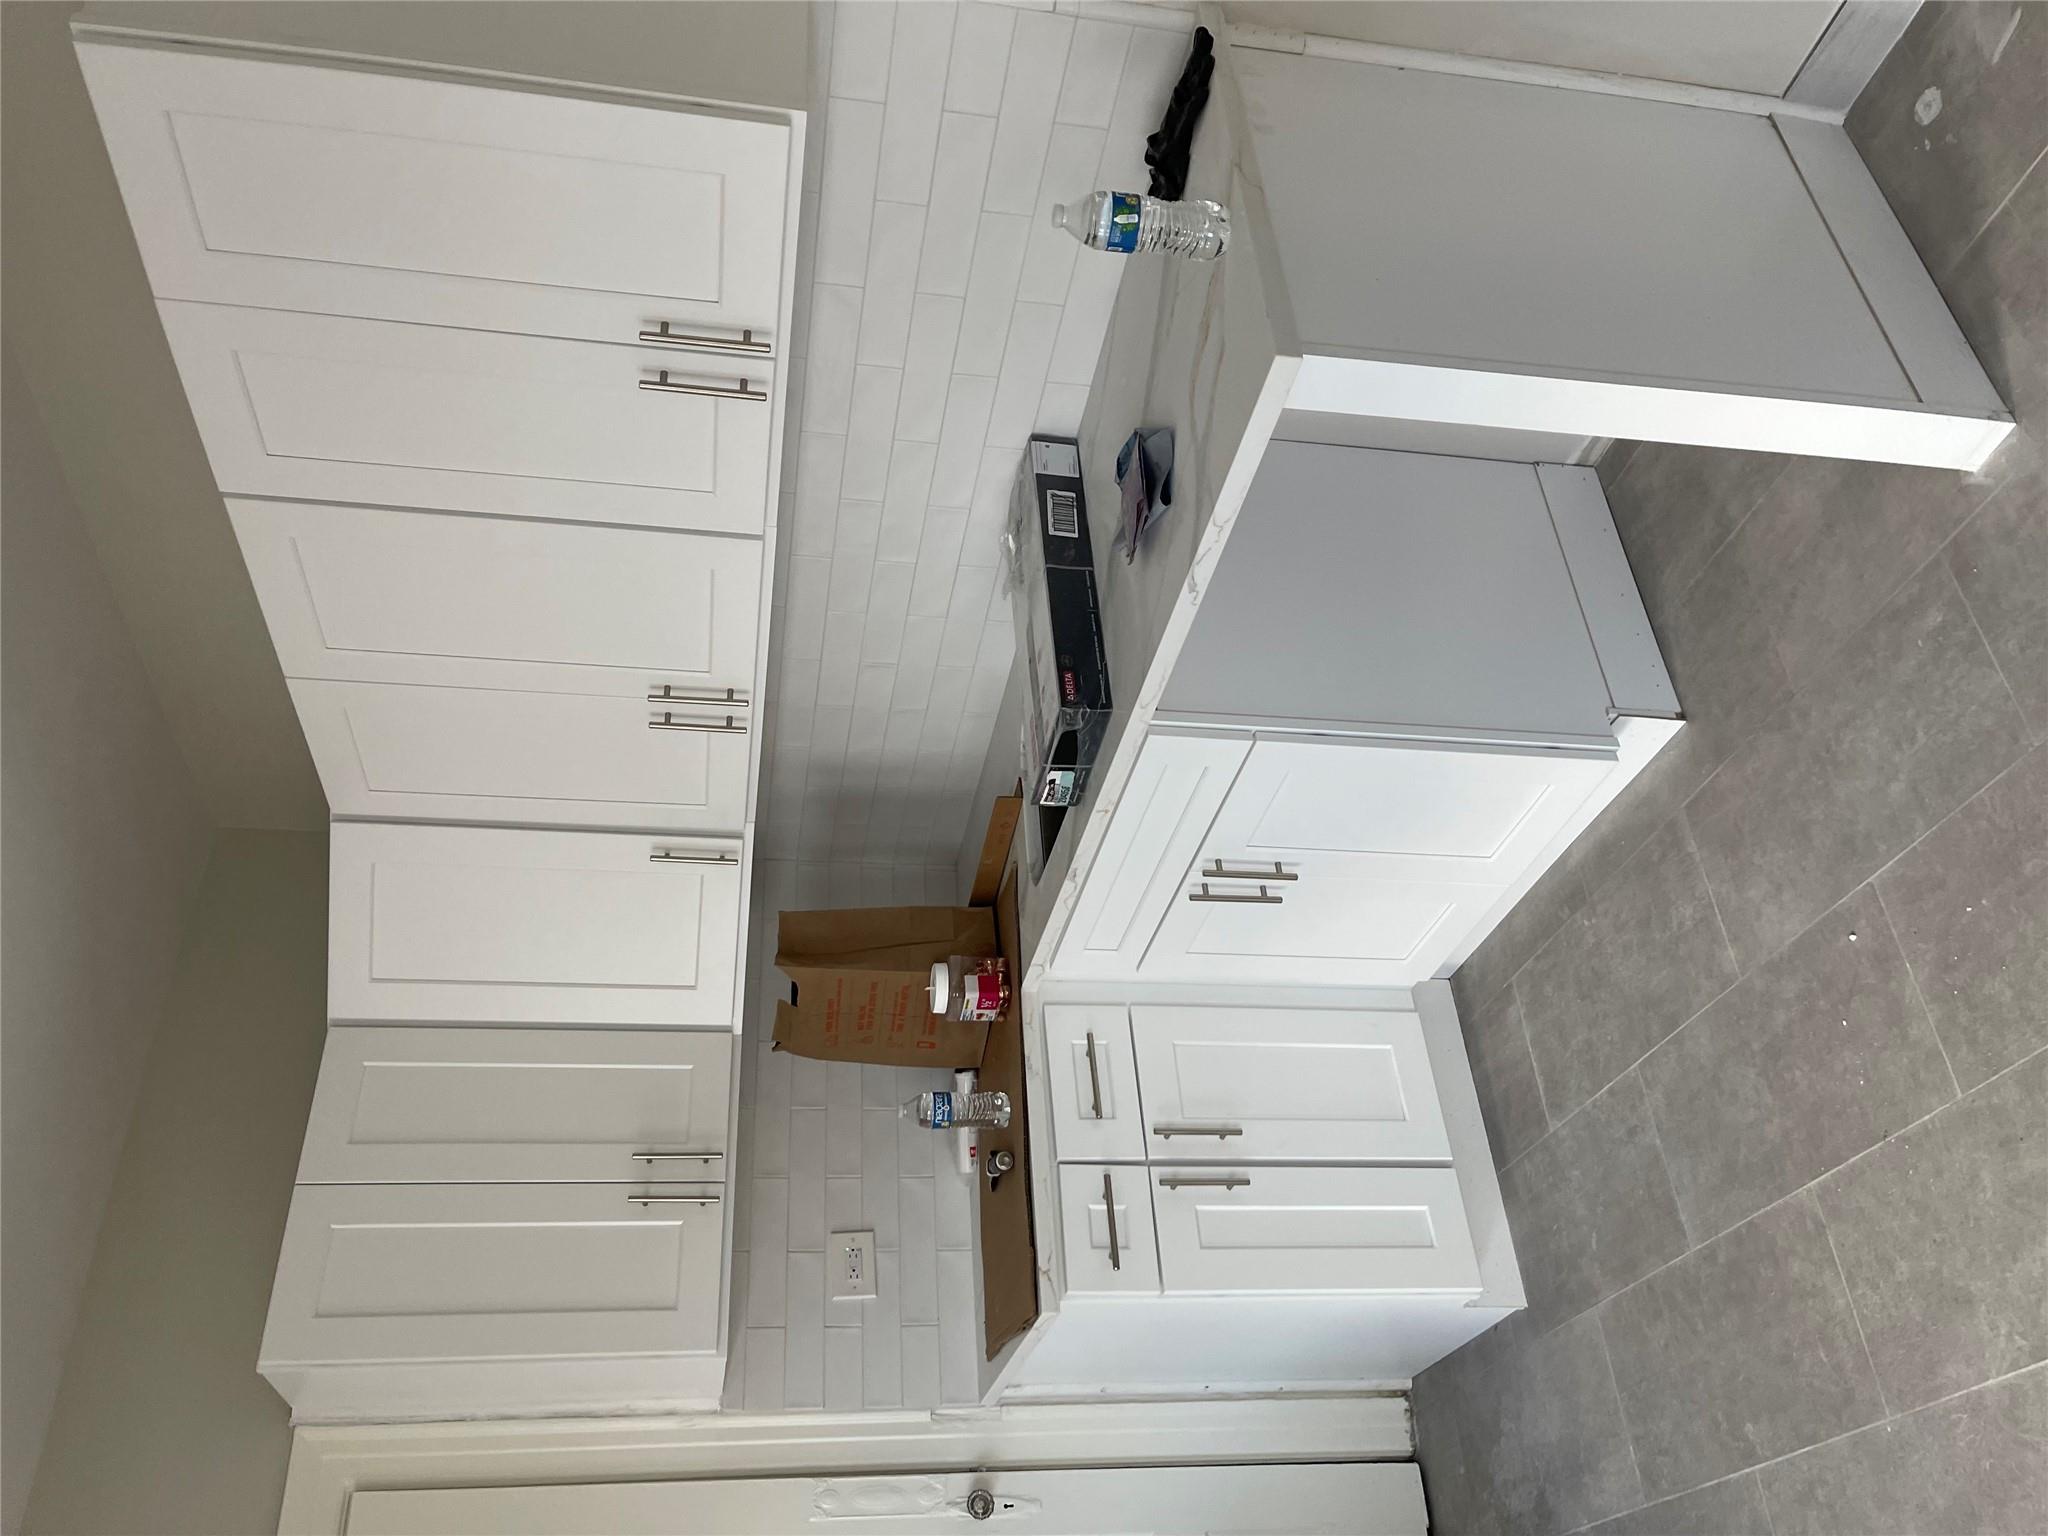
1620, 1412
1992, 217
1855, 1315
1657, 1140
1926, 1012
1763, 1498
1535, 1072
1976, 623
1693, 847
1726, 1477
1678, 599
1793, 1194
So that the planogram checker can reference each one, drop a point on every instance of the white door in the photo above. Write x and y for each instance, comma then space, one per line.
301, 187
495, 754
396, 1272
1289, 1084
367, 594
512, 925
318, 408
1093, 1077
415, 1104
1247, 1228
1159, 823
1300, 1499
1398, 810
1106, 1231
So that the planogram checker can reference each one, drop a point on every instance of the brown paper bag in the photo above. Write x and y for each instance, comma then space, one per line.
862, 976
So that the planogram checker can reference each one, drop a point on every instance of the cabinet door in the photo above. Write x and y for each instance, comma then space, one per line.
323, 409
394, 1272
421, 1105
331, 191
1293, 1084
1094, 1083
1159, 823
488, 754
367, 594
1106, 1231
512, 925
1328, 925
1246, 1228
1400, 810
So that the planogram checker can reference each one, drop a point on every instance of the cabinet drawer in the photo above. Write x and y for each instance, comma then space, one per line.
1159, 823
367, 594
1094, 1082
319, 408
1106, 1231
1246, 1228
513, 925
396, 1272
1287, 1084
416, 1104
342, 192
490, 754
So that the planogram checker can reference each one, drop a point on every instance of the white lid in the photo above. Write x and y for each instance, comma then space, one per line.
941, 986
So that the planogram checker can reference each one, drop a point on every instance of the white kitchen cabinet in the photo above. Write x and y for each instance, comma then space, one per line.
292, 186
369, 594
1175, 791
335, 409
384, 1272
491, 754
514, 925
415, 1104
1106, 1214
1285, 1084
1242, 1227
1093, 1076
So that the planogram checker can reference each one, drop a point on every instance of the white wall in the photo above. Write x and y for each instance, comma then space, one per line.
162, 1424
1755, 46
104, 839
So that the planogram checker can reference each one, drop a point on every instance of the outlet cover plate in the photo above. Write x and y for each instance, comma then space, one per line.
850, 1266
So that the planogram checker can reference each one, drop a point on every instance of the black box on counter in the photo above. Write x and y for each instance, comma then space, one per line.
1059, 622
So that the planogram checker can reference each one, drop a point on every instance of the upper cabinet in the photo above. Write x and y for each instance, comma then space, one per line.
316, 407
295, 187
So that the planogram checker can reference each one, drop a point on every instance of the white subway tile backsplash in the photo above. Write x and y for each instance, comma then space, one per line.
981, 54
1031, 88
893, 249
959, 178
1085, 320
928, 367
918, 1245
861, 36
839, 667
878, 1174
869, 434
959, 1331
917, 92
1071, 159
921, 1367
991, 290
815, 507
1060, 409
846, 199
881, 1340
1095, 68
843, 1154
961, 440
953, 1194
842, 1205
803, 1375
1021, 383
771, 1140
828, 368
763, 1392
1151, 67
910, 486
842, 1370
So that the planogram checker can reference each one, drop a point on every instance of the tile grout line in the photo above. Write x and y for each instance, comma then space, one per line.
1855, 1316
2026, 726
1927, 1013
1992, 217
1693, 847
1620, 1409
1763, 1498
1535, 1072
1678, 598
1664, 1162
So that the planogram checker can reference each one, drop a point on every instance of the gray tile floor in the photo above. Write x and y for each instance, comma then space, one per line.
1763, 1058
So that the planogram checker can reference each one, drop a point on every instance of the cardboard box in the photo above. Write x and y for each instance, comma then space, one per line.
862, 976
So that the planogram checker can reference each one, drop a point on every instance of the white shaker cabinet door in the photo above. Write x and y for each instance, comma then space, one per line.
512, 925
416, 1104
1106, 1231
1093, 1078
367, 594
332, 191
1159, 823
318, 408
493, 754
1246, 1228
1287, 1084
397, 1272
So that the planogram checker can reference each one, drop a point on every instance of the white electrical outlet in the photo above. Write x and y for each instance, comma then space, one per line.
850, 1270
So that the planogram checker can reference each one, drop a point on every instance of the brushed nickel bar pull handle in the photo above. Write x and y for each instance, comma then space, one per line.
1167, 1130
662, 336
678, 1157
672, 1199
677, 856
1226, 1181
1094, 1076
666, 694
668, 722
662, 382
1264, 899
1116, 1259
1217, 871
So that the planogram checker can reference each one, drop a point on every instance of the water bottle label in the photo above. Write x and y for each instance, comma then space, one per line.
1123, 222
942, 1109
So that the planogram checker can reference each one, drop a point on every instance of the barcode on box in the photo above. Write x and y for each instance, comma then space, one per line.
1062, 515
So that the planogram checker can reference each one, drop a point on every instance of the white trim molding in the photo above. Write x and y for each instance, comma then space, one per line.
1857, 40
329, 1463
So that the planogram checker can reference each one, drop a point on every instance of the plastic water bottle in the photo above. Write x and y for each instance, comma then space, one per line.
1129, 222
940, 1109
